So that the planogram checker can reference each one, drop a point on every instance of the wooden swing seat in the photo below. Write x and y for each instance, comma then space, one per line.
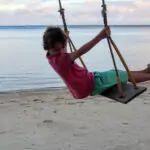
129, 93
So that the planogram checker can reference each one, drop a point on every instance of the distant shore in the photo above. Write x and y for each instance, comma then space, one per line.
70, 26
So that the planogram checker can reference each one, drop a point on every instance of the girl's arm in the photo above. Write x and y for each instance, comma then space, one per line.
88, 46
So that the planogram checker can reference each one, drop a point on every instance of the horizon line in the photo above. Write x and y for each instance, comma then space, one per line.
79, 25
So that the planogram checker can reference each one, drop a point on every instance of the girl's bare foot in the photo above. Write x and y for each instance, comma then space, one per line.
147, 70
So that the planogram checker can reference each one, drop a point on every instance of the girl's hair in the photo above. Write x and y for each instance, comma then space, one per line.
51, 36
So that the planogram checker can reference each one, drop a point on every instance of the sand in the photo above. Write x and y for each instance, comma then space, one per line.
53, 120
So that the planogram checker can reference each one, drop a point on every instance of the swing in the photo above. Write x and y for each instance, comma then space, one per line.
121, 92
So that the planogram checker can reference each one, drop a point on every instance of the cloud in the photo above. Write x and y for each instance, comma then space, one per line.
77, 12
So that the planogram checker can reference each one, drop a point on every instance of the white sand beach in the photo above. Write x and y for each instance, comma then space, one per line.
53, 120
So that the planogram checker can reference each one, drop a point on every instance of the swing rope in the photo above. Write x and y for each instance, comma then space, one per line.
110, 41
104, 14
71, 45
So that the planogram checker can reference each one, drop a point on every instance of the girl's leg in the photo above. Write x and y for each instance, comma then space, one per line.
146, 70
140, 76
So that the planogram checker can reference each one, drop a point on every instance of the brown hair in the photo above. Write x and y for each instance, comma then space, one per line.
53, 35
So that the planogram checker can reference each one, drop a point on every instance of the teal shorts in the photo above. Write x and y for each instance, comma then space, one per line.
105, 80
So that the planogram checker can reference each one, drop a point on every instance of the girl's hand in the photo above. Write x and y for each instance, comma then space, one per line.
105, 33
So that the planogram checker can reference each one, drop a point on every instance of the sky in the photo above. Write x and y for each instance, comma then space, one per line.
45, 12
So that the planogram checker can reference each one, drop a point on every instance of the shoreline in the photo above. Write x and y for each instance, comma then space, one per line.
33, 90
52, 89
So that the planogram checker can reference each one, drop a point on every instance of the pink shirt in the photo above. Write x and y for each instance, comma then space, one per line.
79, 81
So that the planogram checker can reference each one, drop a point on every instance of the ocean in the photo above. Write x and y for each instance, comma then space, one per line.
23, 64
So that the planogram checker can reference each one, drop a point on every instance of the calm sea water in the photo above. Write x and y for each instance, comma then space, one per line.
23, 64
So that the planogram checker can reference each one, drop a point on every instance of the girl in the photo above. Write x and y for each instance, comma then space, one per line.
79, 81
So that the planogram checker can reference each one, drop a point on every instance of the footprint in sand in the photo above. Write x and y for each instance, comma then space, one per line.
25, 104
72, 103
3, 132
45, 122
125, 123
38, 101
81, 131
146, 103
48, 121
13, 101
83, 127
79, 134
55, 111
58, 99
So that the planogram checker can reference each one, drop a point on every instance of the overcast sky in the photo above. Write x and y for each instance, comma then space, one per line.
31, 12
